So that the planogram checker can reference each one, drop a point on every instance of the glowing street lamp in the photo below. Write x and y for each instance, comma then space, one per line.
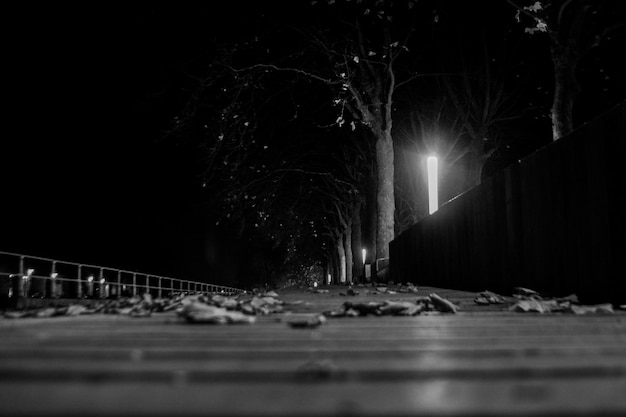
364, 252
433, 192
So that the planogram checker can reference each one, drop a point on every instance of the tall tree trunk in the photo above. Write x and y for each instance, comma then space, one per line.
334, 267
371, 217
385, 195
357, 245
327, 269
566, 89
341, 260
348, 249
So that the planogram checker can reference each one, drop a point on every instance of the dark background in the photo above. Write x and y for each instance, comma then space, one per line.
87, 175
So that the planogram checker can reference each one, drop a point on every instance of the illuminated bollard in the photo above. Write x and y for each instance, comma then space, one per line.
90, 286
53, 285
26, 283
104, 293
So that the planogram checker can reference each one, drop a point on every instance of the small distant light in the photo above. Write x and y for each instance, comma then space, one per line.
102, 280
30, 271
364, 252
54, 275
90, 278
315, 284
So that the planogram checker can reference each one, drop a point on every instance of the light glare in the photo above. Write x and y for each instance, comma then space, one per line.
433, 192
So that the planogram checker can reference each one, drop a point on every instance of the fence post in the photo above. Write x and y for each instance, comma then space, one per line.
52, 281
102, 283
118, 293
134, 284
79, 282
160, 287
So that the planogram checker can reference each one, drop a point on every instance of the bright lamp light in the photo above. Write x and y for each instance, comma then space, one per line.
433, 192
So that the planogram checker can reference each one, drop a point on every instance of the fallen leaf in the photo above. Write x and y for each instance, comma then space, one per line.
526, 292
17, 314
200, 313
537, 306
488, 297
401, 308
138, 313
591, 309
75, 309
363, 309
441, 304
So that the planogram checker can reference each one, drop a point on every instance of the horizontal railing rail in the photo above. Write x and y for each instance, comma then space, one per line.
38, 277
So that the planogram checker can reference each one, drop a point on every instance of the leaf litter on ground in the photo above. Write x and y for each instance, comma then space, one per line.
194, 308
433, 302
527, 300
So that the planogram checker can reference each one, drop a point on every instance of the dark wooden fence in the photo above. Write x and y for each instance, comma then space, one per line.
554, 222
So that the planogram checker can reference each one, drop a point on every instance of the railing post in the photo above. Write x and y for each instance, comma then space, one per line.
79, 282
90, 286
94, 284
22, 272
52, 281
101, 284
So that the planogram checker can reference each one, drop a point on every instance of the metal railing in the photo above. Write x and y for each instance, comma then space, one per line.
34, 276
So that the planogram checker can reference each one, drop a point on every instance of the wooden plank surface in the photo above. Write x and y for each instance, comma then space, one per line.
481, 361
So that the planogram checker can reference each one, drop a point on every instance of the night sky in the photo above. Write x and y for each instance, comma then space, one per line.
86, 173
86, 176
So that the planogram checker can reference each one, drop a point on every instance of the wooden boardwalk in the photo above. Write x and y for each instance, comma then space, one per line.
478, 362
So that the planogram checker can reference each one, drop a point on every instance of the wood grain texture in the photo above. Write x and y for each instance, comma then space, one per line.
482, 361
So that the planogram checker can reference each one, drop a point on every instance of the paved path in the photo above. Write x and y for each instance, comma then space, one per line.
479, 362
